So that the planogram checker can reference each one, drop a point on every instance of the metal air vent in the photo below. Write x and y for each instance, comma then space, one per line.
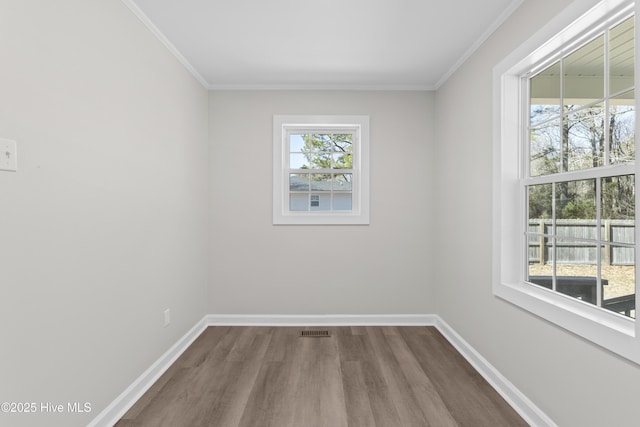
315, 334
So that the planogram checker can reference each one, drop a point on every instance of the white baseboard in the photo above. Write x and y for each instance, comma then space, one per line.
326, 320
112, 413
518, 401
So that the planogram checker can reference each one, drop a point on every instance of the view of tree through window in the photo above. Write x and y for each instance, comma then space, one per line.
580, 184
321, 171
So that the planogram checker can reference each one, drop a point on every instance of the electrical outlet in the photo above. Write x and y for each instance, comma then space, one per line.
8, 155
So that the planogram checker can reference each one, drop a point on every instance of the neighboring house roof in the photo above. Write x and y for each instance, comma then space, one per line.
299, 183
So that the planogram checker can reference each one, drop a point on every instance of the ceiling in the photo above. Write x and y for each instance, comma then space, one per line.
350, 44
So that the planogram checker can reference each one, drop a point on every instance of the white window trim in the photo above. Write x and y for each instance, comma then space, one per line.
614, 332
359, 214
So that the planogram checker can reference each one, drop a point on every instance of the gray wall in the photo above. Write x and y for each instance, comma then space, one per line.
382, 268
573, 381
105, 224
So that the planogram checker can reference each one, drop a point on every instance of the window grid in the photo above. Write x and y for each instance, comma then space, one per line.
564, 175
342, 176
334, 171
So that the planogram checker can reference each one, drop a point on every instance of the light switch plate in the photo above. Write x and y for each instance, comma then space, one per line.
8, 155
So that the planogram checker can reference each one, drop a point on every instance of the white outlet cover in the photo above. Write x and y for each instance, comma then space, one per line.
8, 155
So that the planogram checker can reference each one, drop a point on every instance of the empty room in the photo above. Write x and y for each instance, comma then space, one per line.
338, 213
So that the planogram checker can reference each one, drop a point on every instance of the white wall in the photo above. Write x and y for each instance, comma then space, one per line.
573, 381
382, 268
105, 223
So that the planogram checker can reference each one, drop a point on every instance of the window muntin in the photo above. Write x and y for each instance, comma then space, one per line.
581, 125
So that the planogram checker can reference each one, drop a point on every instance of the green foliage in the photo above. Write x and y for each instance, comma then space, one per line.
577, 199
579, 209
540, 201
328, 151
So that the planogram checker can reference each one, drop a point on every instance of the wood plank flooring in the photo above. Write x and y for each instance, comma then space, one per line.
360, 377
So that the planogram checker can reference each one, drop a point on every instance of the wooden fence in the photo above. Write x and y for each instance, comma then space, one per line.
575, 241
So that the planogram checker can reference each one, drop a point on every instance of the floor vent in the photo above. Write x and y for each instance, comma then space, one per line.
315, 334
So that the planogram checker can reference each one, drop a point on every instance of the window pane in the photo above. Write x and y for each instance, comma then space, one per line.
584, 133
296, 143
539, 248
576, 200
298, 182
583, 71
342, 161
299, 161
578, 229
618, 281
540, 199
298, 202
620, 256
545, 149
342, 143
618, 208
540, 208
541, 275
317, 160
320, 182
575, 257
622, 123
619, 231
538, 244
621, 57
320, 202
342, 201
342, 182
576, 270
317, 142
545, 94
315, 151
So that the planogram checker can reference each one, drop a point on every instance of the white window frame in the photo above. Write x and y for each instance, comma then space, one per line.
359, 213
576, 24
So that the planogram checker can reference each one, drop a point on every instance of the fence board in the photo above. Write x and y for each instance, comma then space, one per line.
575, 241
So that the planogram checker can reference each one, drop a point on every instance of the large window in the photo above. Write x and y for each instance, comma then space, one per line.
580, 185
320, 170
565, 221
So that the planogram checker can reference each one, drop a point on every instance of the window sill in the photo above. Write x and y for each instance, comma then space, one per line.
612, 331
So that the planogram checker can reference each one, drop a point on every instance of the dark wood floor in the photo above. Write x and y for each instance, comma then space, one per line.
360, 376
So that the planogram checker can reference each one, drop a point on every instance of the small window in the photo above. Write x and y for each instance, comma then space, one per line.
320, 170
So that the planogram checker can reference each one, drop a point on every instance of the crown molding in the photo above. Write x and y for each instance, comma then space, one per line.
165, 41
515, 4
323, 87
